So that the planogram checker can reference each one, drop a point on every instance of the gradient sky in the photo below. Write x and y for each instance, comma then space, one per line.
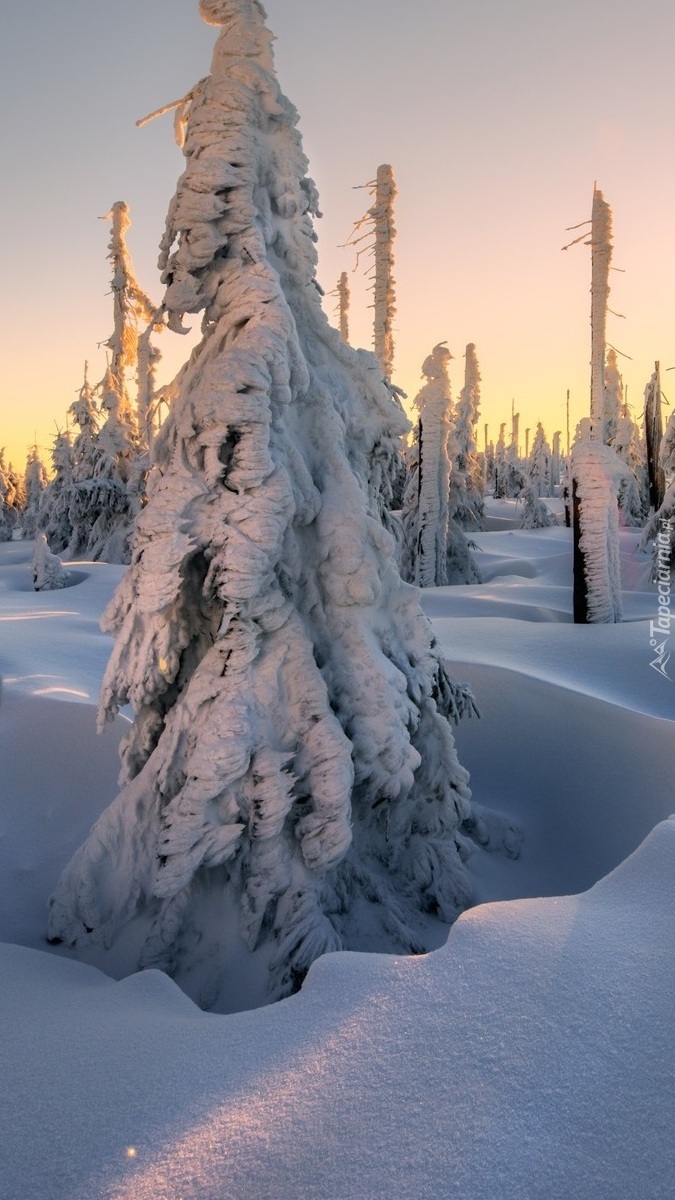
497, 118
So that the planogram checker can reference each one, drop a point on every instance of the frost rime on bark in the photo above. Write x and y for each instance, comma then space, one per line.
343, 306
597, 475
382, 213
291, 754
601, 255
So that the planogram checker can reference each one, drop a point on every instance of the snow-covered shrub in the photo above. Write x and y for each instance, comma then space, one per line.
47, 570
535, 513
291, 776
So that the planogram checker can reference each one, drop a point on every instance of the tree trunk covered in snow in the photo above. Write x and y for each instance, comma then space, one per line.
597, 475
292, 785
382, 213
343, 306
601, 254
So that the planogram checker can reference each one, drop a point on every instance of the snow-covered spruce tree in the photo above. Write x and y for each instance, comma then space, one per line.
85, 503
660, 528
35, 483
9, 512
291, 766
500, 469
467, 474
539, 463
435, 551
54, 515
653, 439
425, 500
634, 490
47, 570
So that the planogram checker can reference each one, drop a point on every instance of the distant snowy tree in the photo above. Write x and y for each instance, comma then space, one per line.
132, 310
660, 528
539, 463
435, 550
501, 473
634, 492
110, 494
35, 482
9, 511
291, 766
54, 517
47, 570
653, 438
613, 398
467, 482
425, 500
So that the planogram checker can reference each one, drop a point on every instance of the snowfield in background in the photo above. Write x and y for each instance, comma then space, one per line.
530, 1057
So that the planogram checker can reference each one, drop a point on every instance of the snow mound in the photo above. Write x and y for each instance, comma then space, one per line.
531, 1056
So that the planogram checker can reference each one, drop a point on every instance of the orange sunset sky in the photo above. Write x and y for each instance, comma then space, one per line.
496, 119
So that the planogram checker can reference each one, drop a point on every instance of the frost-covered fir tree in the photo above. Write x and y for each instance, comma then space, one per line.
500, 483
10, 520
54, 517
653, 439
47, 570
634, 490
292, 785
660, 528
467, 476
539, 463
86, 501
35, 483
435, 550
425, 500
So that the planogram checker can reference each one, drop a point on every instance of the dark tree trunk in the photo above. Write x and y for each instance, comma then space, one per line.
580, 589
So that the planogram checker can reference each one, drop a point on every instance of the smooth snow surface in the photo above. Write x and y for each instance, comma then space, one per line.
530, 1057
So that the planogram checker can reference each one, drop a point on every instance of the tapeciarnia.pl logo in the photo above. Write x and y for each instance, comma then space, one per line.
659, 630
